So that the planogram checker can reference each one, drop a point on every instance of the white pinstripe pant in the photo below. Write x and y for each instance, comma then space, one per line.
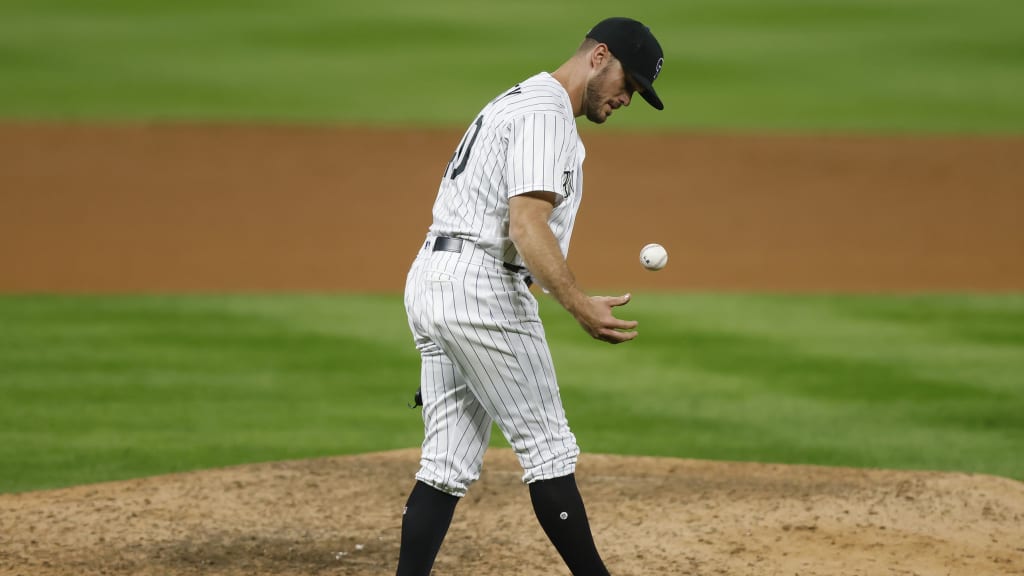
485, 359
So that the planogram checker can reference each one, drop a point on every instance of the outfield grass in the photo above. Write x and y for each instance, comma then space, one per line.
96, 388
781, 65
106, 387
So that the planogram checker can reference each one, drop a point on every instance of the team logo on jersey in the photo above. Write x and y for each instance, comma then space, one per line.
567, 182
657, 68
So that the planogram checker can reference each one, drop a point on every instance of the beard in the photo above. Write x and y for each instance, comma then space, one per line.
593, 100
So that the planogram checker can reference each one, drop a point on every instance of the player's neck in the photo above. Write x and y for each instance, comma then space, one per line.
573, 78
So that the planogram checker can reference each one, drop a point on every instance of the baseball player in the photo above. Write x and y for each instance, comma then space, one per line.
502, 219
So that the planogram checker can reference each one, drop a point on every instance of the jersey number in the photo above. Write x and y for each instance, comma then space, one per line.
457, 165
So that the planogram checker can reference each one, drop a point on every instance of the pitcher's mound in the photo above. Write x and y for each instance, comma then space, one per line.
650, 516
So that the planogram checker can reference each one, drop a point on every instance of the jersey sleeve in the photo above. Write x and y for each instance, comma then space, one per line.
541, 148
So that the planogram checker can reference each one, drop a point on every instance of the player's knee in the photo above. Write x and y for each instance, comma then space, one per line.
450, 479
554, 464
448, 487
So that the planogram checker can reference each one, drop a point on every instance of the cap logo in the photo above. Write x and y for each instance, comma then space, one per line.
657, 69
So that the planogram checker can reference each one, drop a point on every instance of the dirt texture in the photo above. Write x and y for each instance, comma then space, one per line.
168, 208
155, 208
650, 516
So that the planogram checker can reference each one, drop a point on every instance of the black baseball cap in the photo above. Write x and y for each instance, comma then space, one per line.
637, 49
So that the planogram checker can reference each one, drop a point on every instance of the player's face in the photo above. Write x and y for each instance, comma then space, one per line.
607, 90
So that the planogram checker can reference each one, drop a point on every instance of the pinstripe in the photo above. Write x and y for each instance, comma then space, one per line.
540, 378
473, 206
500, 348
484, 351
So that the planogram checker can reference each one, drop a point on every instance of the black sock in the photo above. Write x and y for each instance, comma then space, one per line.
428, 513
559, 509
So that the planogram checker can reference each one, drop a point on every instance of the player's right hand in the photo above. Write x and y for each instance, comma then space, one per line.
596, 318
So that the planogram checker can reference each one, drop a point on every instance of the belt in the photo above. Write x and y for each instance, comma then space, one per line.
446, 244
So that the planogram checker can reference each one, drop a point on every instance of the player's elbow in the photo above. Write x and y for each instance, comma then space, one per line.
523, 226
517, 230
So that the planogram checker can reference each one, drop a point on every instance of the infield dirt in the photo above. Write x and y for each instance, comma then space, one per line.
235, 208
222, 208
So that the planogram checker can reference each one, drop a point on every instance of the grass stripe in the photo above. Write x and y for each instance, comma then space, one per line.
103, 387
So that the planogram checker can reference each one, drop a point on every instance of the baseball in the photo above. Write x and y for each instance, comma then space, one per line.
653, 256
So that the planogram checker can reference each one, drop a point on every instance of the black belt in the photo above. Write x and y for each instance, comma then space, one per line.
446, 244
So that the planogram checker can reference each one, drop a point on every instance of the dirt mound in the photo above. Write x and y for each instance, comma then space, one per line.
342, 515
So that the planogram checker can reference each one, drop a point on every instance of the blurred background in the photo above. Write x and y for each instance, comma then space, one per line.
207, 210
924, 66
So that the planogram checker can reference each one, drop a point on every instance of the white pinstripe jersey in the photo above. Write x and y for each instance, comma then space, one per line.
525, 140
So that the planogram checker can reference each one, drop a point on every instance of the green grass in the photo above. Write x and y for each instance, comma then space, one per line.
780, 65
97, 388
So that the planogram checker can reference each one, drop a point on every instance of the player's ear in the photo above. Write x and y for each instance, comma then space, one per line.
599, 56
